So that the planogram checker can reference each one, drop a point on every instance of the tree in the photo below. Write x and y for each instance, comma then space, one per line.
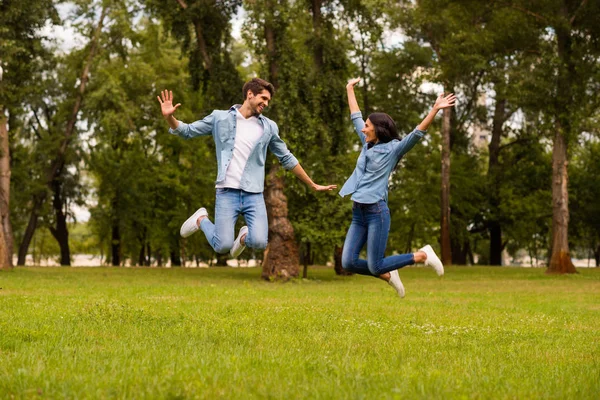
20, 47
61, 134
585, 192
203, 30
146, 180
270, 19
566, 73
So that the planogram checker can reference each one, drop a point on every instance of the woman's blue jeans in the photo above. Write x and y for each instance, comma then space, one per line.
371, 226
230, 203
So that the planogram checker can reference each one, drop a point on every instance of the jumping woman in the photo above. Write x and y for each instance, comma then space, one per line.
382, 148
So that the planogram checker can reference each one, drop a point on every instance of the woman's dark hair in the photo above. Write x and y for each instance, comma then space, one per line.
257, 85
385, 127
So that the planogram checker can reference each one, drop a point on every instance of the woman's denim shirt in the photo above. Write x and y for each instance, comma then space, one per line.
221, 124
369, 181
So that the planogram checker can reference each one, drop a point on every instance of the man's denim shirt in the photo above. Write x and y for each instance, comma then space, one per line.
221, 124
369, 181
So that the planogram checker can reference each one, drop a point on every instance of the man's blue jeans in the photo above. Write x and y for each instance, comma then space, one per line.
371, 225
230, 203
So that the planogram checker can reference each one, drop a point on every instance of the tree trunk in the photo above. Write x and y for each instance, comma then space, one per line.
494, 227
318, 33
272, 53
560, 261
363, 69
115, 244
495, 243
200, 41
337, 262
459, 252
142, 256
597, 256
149, 253
280, 259
281, 255
175, 258
60, 231
222, 260
445, 195
38, 201
6, 238
411, 236
306, 259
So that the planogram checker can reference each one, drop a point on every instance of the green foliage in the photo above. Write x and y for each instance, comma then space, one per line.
585, 206
203, 32
145, 182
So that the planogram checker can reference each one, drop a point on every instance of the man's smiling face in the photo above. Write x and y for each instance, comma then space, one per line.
259, 101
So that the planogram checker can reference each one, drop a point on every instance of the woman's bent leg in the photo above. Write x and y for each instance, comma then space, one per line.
378, 220
355, 241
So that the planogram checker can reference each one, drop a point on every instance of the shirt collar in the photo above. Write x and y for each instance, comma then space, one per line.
236, 107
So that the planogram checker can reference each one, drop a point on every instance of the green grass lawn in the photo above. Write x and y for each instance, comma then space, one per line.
223, 333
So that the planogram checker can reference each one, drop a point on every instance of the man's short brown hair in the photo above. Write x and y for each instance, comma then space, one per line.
257, 85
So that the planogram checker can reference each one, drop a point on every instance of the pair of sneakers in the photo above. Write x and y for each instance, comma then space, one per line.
190, 226
432, 260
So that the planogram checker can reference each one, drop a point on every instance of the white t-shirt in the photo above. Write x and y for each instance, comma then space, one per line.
247, 133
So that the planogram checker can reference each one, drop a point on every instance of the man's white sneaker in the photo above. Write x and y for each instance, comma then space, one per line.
433, 260
238, 247
396, 283
191, 224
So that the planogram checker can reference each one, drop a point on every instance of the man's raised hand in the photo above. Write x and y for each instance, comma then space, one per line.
166, 103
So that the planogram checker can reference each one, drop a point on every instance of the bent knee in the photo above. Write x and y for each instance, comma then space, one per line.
375, 269
260, 244
347, 262
223, 247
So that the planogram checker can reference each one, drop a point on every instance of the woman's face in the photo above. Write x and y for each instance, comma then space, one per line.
369, 131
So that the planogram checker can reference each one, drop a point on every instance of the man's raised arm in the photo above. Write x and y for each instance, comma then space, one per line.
167, 108
186, 131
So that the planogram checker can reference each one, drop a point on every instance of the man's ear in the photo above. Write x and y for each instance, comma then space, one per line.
249, 94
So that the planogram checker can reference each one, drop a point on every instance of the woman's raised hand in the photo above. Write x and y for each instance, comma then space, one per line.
352, 82
445, 102
166, 103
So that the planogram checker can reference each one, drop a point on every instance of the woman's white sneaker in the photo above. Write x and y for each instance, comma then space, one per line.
396, 283
238, 247
191, 224
433, 260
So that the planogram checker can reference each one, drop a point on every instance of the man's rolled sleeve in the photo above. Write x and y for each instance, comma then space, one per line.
280, 150
199, 128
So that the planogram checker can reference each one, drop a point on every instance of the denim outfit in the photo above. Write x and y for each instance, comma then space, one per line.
221, 125
229, 205
370, 213
247, 199
369, 182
